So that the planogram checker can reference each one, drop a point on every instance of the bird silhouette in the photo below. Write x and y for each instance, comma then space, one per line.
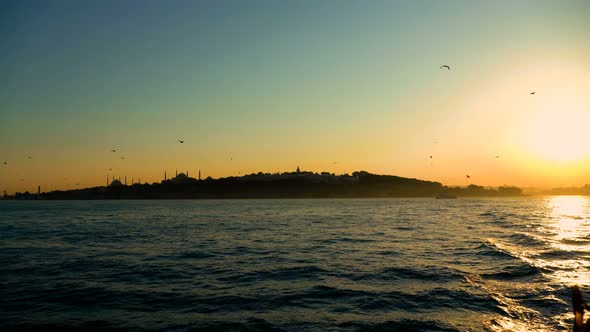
4, 163
532, 92
181, 141
445, 66
122, 157
110, 169
497, 157
430, 157
113, 150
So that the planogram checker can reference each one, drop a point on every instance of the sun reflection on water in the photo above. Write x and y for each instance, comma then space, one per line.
568, 231
568, 214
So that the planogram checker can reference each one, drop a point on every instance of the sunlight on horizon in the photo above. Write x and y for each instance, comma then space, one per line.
558, 131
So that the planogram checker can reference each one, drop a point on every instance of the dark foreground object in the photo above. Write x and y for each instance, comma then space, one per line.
579, 306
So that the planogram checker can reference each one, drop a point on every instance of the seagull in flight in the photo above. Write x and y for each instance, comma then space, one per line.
122, 157
181, 141
532, 92
4, 163
430, 157
113, 150
445, 66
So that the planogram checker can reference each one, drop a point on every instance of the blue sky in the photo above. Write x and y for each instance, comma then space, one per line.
272, 84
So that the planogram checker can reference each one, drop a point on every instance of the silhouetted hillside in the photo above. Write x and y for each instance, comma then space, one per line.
284, 185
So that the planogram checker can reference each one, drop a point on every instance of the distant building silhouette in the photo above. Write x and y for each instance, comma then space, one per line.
182, 178
199, 174
116, 183
298, 170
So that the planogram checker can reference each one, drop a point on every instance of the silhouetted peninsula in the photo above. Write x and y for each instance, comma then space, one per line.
299, 184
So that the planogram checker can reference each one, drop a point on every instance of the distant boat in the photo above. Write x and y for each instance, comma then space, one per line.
445, 196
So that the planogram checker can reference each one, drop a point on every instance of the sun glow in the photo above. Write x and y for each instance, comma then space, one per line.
559, 132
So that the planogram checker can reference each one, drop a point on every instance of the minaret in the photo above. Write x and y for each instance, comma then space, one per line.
176, 173
125, 179
199, 174
139, 180
38, 190
187, 173
165, 178
107, 180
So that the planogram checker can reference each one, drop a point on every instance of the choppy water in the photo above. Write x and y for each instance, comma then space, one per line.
293, 265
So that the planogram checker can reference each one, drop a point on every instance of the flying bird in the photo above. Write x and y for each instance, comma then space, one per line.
122, 157
430, 157
467, 176
113, 150
110, 169
181, 141
4, 163
532, 92
445, 66
497, 157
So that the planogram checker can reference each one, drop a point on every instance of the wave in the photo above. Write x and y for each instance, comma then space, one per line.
291, 273
399, 325
515, 271
489, 248
196, 254
427, 273
528, 240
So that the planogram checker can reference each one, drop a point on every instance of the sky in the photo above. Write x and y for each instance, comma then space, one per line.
335, 86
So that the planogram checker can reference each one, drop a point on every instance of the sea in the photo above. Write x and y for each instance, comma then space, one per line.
420, 264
